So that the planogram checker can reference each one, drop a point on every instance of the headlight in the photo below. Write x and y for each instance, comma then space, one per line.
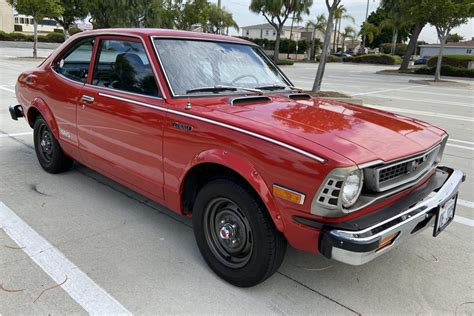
352, 187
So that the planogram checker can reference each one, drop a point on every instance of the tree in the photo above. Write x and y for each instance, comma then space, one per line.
219, 19
409, 11
349, 32
276, 12
455, 37
318, 25
72, 11
339, 15
394, 22
370, 31
106, 13
38, 9
445, 15
331, 6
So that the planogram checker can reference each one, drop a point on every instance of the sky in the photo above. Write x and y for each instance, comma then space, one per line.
243, 16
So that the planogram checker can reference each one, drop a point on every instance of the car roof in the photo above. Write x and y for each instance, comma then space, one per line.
146, 32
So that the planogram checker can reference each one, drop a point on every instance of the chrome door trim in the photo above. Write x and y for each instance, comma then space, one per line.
217, 123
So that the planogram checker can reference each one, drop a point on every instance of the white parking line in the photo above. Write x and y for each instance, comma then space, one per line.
459, 146
384, 90
79, 286
15, 134
461, 141
467, 105
6, 89
463, 220
466, 203
422, 113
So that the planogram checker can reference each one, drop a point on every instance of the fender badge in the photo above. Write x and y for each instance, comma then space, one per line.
183, 127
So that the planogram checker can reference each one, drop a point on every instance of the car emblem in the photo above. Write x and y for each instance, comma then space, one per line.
413, 165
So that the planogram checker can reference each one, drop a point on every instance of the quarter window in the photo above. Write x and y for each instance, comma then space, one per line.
75, 63
123, 65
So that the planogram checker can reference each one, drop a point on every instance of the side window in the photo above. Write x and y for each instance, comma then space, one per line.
75, 63
123, 65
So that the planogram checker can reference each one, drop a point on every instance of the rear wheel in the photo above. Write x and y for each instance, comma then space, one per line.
48, 151
235, 234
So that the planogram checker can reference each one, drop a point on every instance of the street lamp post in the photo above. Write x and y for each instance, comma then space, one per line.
366, 17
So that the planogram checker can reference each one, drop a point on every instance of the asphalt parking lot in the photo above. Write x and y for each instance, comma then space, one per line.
132, 255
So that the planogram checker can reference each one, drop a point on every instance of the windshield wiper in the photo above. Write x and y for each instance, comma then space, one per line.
217, 89
278, 87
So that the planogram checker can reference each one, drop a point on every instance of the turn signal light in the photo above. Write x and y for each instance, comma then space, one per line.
288, 195
387, 241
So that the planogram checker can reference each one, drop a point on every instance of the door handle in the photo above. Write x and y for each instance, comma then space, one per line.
88, 99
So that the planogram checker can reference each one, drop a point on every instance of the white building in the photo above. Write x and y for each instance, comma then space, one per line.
266, 31
455, 48
26, 23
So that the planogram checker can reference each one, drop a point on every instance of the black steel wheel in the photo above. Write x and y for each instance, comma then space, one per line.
48, 151
228, 232
235, 234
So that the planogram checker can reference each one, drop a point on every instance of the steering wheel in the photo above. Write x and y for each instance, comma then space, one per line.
245, 76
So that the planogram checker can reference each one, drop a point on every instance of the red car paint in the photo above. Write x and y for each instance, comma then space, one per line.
137, 145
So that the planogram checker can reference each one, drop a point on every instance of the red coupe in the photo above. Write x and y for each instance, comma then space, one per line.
209, 127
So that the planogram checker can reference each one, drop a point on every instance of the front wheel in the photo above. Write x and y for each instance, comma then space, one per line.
235, 234
48, 151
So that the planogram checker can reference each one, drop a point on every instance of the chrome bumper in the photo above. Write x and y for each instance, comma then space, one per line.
361, 246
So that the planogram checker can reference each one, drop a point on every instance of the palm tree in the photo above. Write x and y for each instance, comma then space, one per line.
370, 31
349, 32
317, 25
395, 22
339, 15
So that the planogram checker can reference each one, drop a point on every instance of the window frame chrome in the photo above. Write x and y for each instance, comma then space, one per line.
105, 33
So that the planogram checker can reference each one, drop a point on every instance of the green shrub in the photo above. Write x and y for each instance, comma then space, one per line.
51, 38
381, 59
74, 30
400, 49
331, 59
18, 28
5, 36
284, 62
20, 37
447, 70
285, 44
460, 61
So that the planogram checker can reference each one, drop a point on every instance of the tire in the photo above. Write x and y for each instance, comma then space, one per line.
235, 234
48, 151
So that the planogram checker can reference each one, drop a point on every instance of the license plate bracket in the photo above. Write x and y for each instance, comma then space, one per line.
445, 215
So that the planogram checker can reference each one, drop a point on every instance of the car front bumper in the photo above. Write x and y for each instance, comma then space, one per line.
360, 246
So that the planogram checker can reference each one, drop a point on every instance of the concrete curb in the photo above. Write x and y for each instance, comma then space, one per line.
440, 83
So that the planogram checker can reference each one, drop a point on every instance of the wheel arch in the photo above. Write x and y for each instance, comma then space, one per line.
39, 107
212, 164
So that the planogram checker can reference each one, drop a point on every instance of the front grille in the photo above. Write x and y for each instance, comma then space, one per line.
385, 177
392, 172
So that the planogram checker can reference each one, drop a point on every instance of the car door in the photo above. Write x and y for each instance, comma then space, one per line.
121, 114
69, 74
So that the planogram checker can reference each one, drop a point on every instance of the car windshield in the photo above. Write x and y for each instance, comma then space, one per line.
192, 65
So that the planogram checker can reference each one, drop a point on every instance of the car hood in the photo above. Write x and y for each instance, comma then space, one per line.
359, 133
